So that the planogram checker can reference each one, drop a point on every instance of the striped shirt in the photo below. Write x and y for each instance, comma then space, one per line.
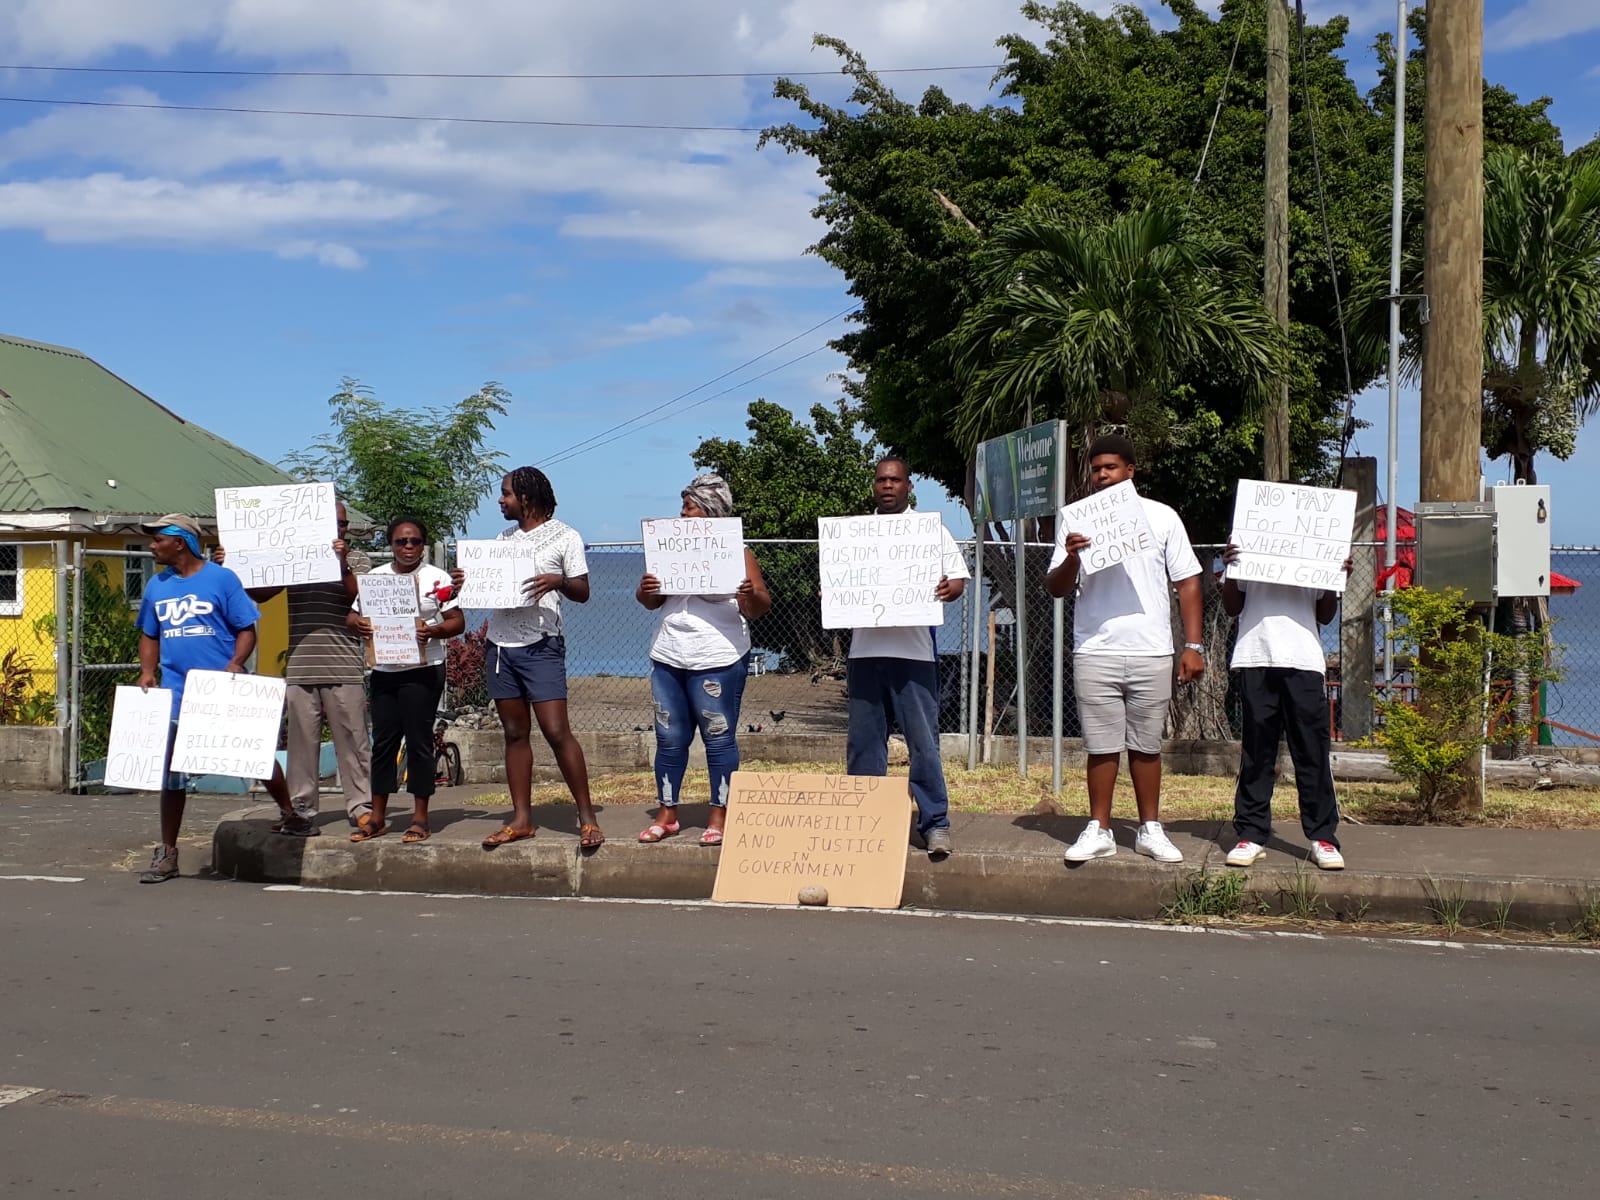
322, 650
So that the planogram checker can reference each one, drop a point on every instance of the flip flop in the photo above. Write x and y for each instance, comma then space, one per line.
658, 831
367, 828
505, 835
711, 837
417, 833
590, 837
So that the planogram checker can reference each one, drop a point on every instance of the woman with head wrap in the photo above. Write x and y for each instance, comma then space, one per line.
699, 659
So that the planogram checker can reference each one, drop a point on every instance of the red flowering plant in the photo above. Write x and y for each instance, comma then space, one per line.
464, 669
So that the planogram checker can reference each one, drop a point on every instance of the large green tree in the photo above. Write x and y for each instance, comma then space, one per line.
786, 475
433, 463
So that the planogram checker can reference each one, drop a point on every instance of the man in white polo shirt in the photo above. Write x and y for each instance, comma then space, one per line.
1122, 657
1280, 661
894, 671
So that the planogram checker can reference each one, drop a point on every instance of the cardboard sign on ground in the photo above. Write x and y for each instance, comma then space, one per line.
228, 724
1292, 535
137, 753
279, 535
881, 571
1114, 522
695, 556
845, 833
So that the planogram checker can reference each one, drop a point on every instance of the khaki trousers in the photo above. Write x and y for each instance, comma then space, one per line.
344, 707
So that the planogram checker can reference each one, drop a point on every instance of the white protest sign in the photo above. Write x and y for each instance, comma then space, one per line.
1294, 535
495, 570
279, 535
881, 571
228, 724
695, 556
386, 595
1114, 522
137, 754
394, 642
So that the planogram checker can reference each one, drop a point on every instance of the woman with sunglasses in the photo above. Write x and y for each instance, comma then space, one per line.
405, 699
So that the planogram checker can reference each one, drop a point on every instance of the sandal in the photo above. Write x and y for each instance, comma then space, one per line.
658, 831
417, 833
505, 834
590, 837
711, 837
367, 828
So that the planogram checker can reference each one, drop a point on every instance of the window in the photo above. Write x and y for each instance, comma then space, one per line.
11, 598
136, 572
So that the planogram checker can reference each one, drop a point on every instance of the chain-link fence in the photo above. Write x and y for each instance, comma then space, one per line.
34, 671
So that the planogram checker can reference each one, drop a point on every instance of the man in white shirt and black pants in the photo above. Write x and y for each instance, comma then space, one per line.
1280, 662
896, 670
1122, 657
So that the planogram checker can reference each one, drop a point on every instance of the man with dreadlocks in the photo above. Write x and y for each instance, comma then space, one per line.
526, 663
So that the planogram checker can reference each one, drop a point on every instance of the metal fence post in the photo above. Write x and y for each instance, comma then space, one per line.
75, 729
977, 647
1020, 607
59, 552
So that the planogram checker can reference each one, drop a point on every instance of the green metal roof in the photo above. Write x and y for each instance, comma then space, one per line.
68, 426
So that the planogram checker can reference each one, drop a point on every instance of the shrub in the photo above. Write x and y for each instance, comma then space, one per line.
464, 669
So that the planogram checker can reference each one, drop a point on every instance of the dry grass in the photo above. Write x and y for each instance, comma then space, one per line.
1183, 797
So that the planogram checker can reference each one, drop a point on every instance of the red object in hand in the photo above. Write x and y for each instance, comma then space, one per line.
442, 591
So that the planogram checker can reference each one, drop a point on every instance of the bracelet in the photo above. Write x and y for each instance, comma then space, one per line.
1197, 647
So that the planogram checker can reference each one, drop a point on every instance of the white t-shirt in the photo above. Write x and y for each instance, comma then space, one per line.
1127, 608
558, 551
911, 641
1278, 628
700, 633
431, 583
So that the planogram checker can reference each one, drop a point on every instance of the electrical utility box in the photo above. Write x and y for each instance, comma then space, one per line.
1522, 540
1455, 548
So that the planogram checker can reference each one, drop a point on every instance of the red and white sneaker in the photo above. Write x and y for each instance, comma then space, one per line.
1245, 853
1326, 855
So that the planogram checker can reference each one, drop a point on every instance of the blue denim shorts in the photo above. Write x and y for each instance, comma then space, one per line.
533, 673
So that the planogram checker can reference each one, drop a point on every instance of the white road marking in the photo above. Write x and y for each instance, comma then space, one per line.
10, 1093
43, 878
937, 915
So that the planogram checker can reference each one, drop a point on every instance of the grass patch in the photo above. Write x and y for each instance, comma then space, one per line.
1300, 896
1207, 895
999, 789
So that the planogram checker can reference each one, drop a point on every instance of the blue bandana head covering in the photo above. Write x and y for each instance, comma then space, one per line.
188, 538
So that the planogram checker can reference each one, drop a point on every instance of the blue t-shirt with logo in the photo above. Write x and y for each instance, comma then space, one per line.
197, 619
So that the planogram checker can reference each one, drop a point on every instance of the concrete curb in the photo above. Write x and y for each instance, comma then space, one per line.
1027, 880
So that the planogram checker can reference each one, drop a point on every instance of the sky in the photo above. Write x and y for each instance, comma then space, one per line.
237, 266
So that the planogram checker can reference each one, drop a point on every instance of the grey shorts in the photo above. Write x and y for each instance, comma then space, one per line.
1122, 701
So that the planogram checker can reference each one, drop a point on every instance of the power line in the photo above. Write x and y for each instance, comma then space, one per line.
582, 447
231, 73
370, 116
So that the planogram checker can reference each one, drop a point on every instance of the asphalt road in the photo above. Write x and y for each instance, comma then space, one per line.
205, 1037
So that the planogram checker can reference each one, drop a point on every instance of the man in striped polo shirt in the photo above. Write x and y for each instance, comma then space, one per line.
325, 672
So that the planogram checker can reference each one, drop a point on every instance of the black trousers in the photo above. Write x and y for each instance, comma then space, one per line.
403, 705
1279, 701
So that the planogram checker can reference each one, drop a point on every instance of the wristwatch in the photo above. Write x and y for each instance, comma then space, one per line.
1197, 647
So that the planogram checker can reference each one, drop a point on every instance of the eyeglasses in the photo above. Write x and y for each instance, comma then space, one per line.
407, 542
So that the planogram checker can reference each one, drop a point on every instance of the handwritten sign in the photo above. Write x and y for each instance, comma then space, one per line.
881, 570
846, 833
695, 556
228, 724
496, 569
141, 722
386, 595
394, 642
279, 535
1115, 524
1293, 535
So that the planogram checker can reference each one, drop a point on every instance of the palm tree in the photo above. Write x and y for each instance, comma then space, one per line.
1541, 304
1092, 322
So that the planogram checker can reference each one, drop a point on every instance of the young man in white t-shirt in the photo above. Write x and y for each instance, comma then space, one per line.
1280, 662
1122, 657
896, 670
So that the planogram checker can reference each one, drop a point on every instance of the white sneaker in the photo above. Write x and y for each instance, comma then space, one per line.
1245, 853
1326, 855
1152, 840
1094, 842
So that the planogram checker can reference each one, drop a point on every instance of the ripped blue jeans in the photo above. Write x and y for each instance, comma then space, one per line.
690, 700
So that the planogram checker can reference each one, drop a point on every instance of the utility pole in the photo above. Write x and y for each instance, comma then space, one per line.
1275, 427
1452, 351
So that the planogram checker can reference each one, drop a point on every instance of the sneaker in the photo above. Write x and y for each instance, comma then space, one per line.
1153, 841
1245, 853
1094, 842
163, 865
1326, 855
297, 826
939, 843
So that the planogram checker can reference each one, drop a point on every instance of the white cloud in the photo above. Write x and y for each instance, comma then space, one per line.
329, 254
662, 325
1539, 21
